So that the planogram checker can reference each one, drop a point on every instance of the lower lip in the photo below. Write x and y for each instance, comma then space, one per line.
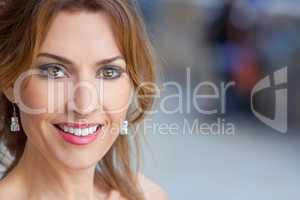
79, 140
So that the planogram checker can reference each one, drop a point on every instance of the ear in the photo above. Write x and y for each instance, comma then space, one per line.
9, 94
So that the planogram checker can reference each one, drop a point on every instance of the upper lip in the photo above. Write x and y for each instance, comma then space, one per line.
79, 125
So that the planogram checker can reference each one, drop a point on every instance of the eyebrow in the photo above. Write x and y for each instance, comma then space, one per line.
69, 62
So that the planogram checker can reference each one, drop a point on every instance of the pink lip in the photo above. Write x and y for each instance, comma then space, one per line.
79, 140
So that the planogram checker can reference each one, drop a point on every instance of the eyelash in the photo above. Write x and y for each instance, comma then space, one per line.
44, 71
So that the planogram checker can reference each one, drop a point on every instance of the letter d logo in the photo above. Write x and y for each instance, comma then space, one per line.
279, 122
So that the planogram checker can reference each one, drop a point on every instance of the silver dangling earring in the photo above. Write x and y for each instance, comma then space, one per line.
124, 129
14, 123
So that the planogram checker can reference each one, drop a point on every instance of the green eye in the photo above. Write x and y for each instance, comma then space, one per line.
52, 71
110, 72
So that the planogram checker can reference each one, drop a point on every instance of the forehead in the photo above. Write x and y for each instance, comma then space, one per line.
81, 36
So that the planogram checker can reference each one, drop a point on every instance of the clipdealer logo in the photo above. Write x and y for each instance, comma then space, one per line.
280, 80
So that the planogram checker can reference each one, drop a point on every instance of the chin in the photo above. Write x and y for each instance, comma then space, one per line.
78, 160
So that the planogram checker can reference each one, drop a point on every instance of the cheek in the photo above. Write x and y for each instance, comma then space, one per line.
39, 94
32, 125
117, 96
34, 95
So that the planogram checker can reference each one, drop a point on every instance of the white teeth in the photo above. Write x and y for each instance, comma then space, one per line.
85, 132
65, 128
79, 131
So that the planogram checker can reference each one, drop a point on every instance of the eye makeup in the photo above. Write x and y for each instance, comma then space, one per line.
53, 71
57, 71
110, 72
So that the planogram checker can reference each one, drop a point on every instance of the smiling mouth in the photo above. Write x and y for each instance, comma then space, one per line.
79, 130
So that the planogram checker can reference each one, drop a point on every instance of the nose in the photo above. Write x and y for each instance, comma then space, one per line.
83, 99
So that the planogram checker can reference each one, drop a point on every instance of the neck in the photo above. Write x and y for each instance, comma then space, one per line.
44, 179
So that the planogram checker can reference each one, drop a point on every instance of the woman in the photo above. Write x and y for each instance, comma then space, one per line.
68, 72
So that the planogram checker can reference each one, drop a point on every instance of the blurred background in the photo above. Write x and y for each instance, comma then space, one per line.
214, 43
215, 146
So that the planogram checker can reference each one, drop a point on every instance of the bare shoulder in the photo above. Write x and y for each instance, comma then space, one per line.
151, 189
5, 190
9, 190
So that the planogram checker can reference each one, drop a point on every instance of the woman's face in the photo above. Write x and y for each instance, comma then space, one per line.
82, 79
